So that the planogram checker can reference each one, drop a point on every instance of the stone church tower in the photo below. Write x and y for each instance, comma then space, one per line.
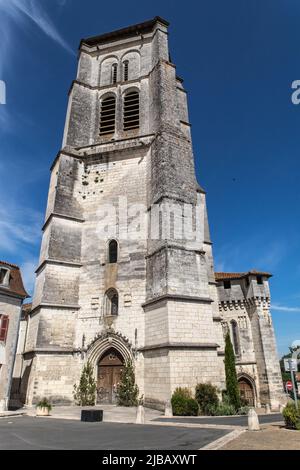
126, 268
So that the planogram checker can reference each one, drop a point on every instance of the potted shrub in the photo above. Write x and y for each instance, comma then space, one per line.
43, 407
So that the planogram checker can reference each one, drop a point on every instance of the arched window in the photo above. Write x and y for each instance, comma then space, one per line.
131, 110
125, 70
111, 306
108, 115
113, 251
114, 72
235, 337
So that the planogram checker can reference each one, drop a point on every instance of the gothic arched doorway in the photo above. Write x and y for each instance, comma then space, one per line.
109, 374
246, 391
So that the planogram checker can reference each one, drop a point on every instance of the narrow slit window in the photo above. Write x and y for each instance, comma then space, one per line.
131, 118
113, 252
227, 285
125, 70
114, 72
111, 303
235, 338
108, 115
259, 280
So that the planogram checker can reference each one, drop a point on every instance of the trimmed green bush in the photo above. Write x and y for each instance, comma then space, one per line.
183, 404
291, 416
207, 397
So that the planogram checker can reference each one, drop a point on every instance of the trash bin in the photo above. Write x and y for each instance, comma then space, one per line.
91, 416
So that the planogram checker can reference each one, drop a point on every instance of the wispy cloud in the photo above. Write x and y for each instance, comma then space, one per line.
22, 11
284, 308
20, 228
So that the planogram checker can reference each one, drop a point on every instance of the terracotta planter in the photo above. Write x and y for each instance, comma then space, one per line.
42, 411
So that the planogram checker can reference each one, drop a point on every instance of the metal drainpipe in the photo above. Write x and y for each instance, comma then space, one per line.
14, 358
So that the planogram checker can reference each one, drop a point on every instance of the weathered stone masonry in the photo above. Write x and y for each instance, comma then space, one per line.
170, 310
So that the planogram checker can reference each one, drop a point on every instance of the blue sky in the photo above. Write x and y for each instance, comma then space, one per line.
238, 59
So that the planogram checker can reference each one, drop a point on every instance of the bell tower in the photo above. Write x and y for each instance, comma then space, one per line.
126, 261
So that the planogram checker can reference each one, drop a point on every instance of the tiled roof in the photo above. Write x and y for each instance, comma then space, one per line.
9, 264
227, 276
16, 285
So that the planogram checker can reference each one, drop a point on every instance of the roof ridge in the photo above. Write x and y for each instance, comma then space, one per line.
9, 264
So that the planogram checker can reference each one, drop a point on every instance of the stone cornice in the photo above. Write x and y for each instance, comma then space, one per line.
175, 345
168, 196
174, 247
81, 153
132, 31
54, 306
56, 262
61, 216
176, 297
50, 350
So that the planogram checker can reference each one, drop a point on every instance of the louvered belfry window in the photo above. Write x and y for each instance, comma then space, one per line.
131, 118
108, 115
125, 66
114, 71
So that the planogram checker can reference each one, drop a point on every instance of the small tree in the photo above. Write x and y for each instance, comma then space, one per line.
232, 387
127, 392
85, 392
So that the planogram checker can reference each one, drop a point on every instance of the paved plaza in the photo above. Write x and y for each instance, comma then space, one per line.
30, 433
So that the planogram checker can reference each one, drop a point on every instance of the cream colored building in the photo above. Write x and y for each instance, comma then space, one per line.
12, 295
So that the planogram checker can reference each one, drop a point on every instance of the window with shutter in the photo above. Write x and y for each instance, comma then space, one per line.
4, 321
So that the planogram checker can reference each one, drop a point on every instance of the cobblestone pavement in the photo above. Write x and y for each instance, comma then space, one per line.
270, 437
